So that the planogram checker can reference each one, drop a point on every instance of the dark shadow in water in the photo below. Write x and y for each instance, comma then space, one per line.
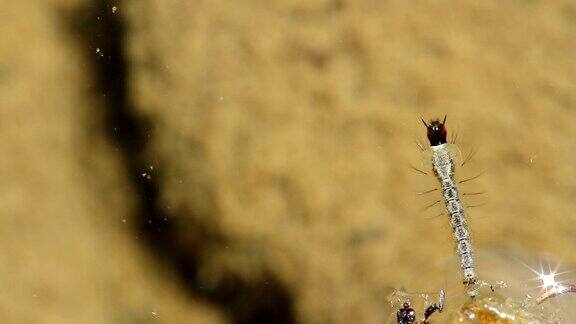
101, 33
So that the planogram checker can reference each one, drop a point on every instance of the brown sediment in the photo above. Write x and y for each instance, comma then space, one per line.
278, 132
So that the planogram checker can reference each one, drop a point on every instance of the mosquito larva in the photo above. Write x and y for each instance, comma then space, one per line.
444, 167
487, 308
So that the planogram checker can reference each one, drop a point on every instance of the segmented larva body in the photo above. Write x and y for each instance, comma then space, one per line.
443, 166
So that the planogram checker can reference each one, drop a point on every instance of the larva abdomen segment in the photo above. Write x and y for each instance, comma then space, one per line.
457, 219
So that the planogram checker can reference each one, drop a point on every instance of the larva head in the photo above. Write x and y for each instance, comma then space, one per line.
436, 131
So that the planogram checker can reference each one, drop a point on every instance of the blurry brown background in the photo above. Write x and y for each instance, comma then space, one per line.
248, 161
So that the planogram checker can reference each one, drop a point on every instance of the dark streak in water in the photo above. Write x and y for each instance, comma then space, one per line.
265, 300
